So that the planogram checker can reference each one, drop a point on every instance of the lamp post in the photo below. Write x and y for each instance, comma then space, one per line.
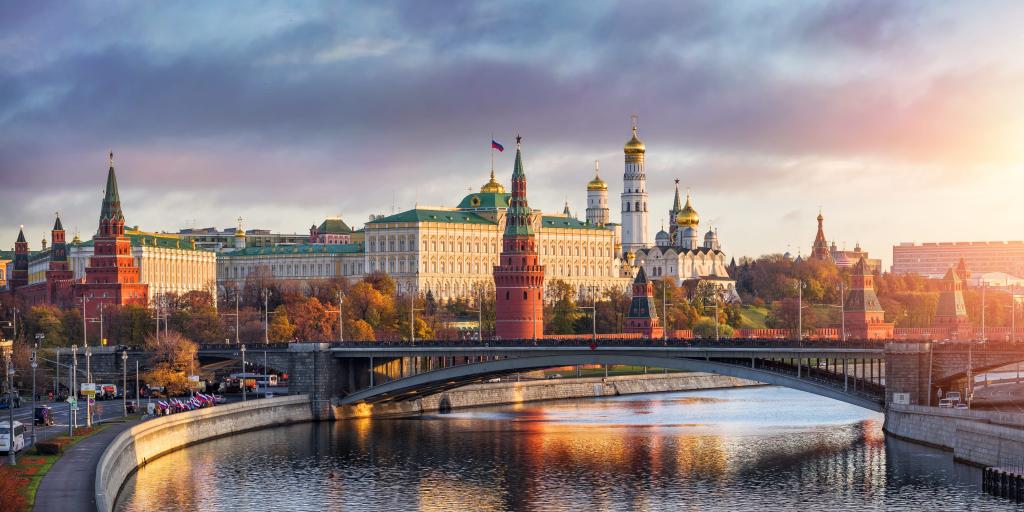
72, 393
799, 311
341, 318
664, 311
138, 403
124, 382
88, 379
266, 317
34, 365
12, 458
241, 379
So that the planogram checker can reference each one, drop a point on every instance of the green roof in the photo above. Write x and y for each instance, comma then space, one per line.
423, 215
334, 226
143, 239
283, 250
485, 200
556, 222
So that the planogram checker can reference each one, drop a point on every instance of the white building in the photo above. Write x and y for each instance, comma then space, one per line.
634, 196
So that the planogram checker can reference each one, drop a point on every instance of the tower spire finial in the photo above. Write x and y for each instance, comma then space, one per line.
519, 141
597, 167
111, 157
634, 119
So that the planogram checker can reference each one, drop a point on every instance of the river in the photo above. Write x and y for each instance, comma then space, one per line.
763, 448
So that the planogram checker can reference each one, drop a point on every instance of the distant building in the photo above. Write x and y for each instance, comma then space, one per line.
332, 231
933, 259
822, 251
306, 262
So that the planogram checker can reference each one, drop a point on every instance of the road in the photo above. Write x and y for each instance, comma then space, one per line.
1002, 397
105, 411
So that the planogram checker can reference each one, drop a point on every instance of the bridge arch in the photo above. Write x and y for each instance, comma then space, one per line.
439, 380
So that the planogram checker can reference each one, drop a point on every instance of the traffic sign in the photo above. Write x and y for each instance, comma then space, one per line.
92, 401
89, 389
72, 400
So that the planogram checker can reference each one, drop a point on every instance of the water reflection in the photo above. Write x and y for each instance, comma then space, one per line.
762, 448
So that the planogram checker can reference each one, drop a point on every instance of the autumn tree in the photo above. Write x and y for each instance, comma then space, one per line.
560, 311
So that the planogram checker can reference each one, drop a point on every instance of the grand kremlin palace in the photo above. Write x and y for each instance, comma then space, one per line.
443, 250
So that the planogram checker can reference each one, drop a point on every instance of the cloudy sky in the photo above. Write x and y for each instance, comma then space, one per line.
904, 121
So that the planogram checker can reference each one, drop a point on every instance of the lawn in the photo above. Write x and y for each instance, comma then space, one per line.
754, 317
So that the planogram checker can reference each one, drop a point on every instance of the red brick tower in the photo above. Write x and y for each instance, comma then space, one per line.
59, 276
819, 251
19, 275
111, 277
865, 318
518, 278
642, 317
950, 321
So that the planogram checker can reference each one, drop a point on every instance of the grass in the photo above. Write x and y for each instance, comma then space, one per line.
34, 467
754, 317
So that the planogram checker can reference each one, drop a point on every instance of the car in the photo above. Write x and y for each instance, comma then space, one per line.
961, 406
954, 396
946, 403
5, 437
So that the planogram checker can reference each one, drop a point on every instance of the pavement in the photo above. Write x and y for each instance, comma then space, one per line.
69, 485
1002, 397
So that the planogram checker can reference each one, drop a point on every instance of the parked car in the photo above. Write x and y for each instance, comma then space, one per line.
42, 415
5, 401
946, 403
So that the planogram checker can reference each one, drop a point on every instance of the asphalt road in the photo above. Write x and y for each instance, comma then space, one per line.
1002, 397
105, 411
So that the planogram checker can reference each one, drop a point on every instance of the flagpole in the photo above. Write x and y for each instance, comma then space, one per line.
491, 145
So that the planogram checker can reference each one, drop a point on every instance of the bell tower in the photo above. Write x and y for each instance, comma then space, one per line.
634, 195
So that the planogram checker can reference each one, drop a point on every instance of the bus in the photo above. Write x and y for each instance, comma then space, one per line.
252, 380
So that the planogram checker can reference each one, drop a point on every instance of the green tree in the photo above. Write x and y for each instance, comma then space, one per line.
560, 309
50, 322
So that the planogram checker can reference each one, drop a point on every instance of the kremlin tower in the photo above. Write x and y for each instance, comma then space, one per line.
634, 195
863, 313
642, 318
111, 277
19, 274
518, 277
950, 321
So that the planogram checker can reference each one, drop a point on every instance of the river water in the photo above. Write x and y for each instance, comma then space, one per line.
764, 448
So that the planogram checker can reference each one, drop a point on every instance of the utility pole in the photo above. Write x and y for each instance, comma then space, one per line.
88, 378
102, 339
241, 379
341, 317
593, 318
800, 310
266, 316
983, 308
842, 309
138, 403
12, 458
124, 382
72, 393
35, 354
236, 317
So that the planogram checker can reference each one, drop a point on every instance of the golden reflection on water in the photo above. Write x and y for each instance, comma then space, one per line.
525, 456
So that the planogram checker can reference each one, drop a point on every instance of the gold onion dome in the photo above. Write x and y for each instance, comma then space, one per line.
597, 184
492, 187
687, 217
634, 146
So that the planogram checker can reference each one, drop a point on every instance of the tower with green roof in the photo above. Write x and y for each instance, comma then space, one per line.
519, 277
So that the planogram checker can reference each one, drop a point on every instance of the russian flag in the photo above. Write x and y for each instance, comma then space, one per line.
496, 145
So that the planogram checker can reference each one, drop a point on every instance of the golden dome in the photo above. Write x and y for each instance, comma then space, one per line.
597, 184
687, 217
635, 146
492, 187
239, 233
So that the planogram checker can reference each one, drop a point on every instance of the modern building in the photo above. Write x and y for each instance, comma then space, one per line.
862, 311
933, 259
519, 276
680, 255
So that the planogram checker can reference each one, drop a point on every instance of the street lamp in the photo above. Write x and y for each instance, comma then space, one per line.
73, 393
12, 458
124, 381
34, 365
88, 379
241, 380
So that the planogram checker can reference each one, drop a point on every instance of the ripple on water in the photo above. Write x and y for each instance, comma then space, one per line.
741, 449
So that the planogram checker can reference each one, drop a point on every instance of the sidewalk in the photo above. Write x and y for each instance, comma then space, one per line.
68, 486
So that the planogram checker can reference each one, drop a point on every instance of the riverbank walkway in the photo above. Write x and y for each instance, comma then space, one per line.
69, 486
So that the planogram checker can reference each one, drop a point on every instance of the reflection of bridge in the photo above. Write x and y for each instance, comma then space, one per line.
863, 373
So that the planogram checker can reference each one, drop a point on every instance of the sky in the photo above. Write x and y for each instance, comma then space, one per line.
902, 121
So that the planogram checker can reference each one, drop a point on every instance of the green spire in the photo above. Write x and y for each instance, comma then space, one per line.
517, 222
21, 235
517, 171
111, 200
677, 204
57, 225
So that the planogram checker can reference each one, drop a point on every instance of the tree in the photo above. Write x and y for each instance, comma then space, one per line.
359, 330
49, 321
560, 310
311, 319
128, 325
280, 328
172, 349
367, 303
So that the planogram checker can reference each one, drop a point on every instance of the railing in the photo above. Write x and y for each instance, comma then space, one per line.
587, 342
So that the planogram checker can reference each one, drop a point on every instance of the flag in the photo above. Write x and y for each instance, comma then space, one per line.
496, 145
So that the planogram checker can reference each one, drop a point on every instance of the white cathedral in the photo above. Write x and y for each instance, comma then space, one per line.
678, 253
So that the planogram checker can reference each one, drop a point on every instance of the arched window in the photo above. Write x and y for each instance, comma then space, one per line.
524, 295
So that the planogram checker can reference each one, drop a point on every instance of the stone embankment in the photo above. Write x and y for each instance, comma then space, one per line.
511, 392
151, 439
981, 438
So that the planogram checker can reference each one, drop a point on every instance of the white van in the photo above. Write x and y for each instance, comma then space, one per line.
5, 436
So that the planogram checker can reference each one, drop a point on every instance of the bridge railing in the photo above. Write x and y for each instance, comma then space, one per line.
587, 342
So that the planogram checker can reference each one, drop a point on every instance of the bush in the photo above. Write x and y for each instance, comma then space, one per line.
53, 446
705, 328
